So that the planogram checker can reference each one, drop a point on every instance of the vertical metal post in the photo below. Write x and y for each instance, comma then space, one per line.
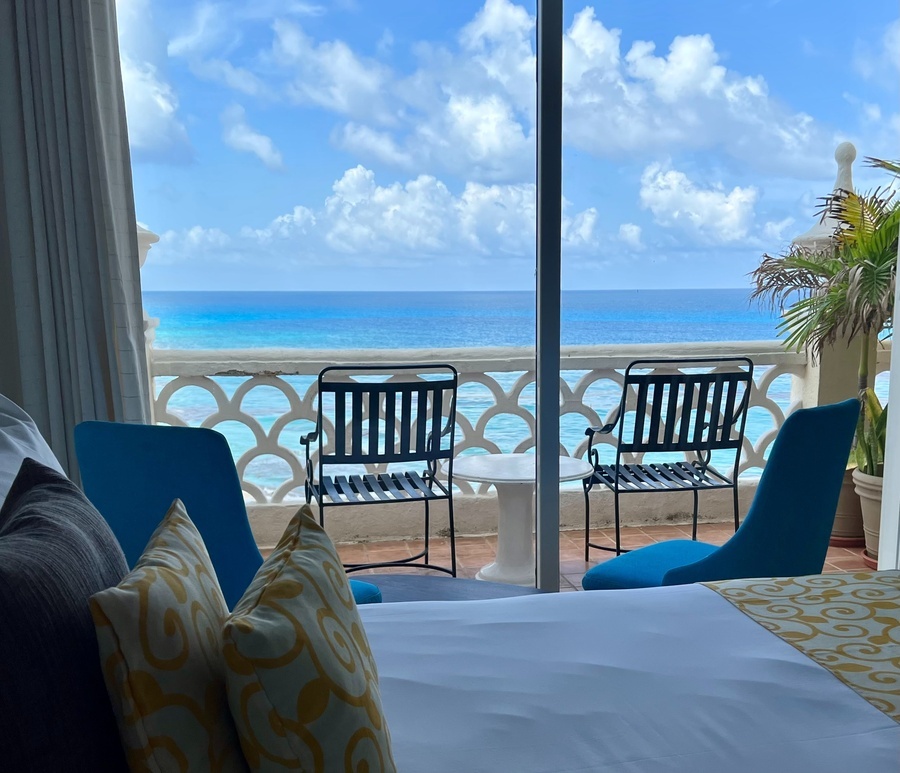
549, 216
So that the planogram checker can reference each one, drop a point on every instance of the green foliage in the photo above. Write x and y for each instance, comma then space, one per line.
843, 293
871, 435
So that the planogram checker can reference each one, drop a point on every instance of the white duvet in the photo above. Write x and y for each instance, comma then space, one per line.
637, 681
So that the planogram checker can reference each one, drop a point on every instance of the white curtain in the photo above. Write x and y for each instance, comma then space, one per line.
71, 331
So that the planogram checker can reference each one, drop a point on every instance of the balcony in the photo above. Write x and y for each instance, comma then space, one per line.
264, 399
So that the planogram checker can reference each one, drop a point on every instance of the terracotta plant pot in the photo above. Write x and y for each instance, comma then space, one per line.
847, 531
869, 488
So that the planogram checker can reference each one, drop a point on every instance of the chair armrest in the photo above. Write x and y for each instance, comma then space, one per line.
306, 442
606, 428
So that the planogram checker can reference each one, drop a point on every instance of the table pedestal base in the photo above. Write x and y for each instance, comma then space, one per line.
515, 544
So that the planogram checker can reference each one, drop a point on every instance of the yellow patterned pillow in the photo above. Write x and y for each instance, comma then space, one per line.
159, 633
302, 684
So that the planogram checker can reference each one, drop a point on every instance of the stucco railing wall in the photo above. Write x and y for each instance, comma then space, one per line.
495, 414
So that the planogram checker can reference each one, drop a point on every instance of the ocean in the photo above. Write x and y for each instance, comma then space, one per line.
412, 320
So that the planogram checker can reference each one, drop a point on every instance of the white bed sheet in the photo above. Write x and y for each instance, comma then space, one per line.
638, 681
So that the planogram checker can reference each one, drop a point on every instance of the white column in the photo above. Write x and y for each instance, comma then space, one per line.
146, 239
889, 536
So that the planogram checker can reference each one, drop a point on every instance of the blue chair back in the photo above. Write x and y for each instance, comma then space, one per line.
787, 529
133, 472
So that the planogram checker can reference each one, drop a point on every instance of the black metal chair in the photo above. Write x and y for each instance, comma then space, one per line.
408, 418
663, 410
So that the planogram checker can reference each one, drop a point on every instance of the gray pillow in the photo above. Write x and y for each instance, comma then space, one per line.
19, 438
56, 551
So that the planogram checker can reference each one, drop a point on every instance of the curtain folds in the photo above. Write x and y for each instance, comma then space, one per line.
71, 326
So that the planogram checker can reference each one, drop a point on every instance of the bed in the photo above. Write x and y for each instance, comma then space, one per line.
796, 675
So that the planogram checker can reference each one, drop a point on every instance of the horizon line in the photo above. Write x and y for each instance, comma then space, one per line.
399, 291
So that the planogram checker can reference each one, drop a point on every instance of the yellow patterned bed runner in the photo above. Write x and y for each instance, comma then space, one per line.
848, 623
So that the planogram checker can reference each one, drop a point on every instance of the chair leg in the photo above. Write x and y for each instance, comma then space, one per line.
618, 525
737, 512
452, 539
321, 514
587, 524
696, 511
427, 529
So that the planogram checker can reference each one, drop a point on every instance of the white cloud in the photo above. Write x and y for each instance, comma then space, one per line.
297, 222
684, 100
498, 41
155, 129
474, 107
579, 230
468, 108
267, 9
709, 214
238, 78
371, 143
891, 43
483, 136
151, 105
207, 29
238, 134
188, 244
774, 232
630, 234
401, 224
880, 61
362, 216
330, 74
385, 43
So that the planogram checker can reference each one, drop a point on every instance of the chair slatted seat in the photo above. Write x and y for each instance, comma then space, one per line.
694, 413
382, 487
407, 419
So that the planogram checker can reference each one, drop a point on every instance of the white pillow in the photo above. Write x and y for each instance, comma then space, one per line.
19, 438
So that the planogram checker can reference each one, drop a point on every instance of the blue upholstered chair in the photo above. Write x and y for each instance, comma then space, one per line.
133, 472
787, 528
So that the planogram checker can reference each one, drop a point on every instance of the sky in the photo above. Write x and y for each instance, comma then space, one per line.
390, 144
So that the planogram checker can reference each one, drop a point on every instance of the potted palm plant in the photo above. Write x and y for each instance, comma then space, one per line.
843, 292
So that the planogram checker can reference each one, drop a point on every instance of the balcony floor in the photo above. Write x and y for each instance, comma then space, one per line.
474, 552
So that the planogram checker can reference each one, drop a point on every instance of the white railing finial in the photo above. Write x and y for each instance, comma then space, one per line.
821, 235
845, 155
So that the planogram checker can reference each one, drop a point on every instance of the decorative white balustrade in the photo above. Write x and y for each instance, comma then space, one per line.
232, 390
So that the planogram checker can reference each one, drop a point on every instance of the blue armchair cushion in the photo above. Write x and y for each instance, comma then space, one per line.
56, 551
365, 592
646, 567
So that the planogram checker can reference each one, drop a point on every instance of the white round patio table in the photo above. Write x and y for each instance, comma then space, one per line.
513, 475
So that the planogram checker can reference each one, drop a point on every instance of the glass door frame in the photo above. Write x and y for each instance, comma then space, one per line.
548, 273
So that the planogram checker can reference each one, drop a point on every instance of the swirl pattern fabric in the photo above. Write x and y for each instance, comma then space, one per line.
848, 623
160, 641
302, 683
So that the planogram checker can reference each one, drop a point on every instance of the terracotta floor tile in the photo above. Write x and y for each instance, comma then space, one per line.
474, 552
834, 552
848, 563
574, 567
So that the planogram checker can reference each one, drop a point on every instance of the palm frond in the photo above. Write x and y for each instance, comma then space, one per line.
889, 166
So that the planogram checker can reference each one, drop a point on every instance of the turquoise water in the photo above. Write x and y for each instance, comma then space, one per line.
239, 320
412, 320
